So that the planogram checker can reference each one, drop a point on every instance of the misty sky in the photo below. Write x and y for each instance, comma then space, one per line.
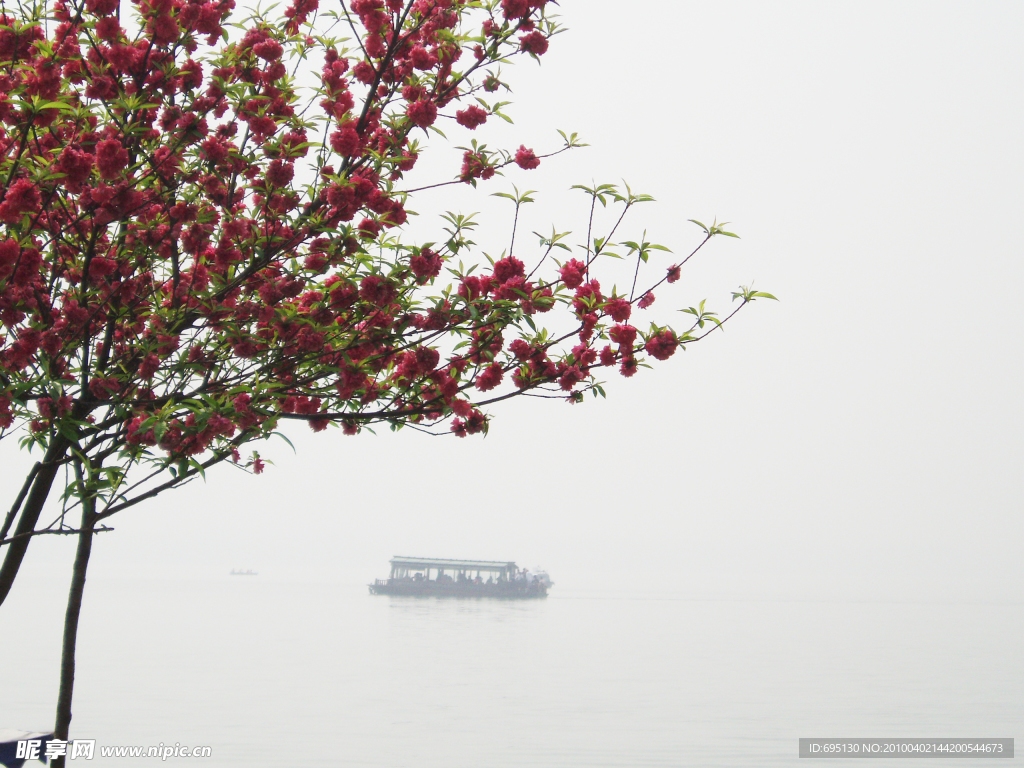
861, 438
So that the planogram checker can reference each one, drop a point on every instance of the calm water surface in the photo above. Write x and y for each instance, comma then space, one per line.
279, 674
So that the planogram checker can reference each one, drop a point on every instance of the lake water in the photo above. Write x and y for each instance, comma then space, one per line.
298, 674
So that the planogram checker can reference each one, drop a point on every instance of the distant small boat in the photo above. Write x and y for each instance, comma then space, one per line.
424, 576
243, 573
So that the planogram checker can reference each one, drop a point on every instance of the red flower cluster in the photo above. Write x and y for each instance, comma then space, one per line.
534, 43
21, 197
618, 309
471, 117
422, 113
426, 265
526, 159
520, 9
212, 251
489, 377
475, 165
661, 345
573, 273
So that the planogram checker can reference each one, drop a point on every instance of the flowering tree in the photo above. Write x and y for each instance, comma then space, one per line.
203, 234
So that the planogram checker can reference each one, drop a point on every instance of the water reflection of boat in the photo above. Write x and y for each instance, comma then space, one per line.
243, 573
424, 576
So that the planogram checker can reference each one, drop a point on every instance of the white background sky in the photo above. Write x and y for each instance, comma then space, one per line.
860, 438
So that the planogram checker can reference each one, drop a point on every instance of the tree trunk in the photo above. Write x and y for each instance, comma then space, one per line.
9, 520
30, 514
67, 658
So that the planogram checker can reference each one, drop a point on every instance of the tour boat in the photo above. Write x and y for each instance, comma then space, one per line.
424, 576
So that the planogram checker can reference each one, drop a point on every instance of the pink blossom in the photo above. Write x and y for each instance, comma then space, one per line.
515, 9
421, 58
377, 290
111, 158
489, 377
268, 50
570, 378
471, 117
149, 366
101, 7
108, 28
619, 309
662, 345
526, 159
164, 29
534, 43
422, 113
22, 197
474, 166
368, 228
585, 356
623, 335
426, 264
508, 268
279, 173
572, 273
521, 349
363, 72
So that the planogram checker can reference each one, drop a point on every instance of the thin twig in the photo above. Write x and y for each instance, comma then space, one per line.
53, 532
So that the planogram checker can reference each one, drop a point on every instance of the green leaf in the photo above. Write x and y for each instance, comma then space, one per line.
283, 437
198, 467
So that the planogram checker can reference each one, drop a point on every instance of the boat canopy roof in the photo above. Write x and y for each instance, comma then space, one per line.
416, 563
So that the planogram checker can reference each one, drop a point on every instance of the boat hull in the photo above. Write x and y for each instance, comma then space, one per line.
505, 591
